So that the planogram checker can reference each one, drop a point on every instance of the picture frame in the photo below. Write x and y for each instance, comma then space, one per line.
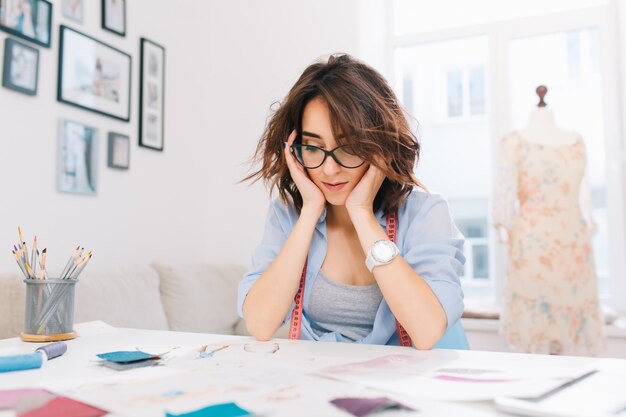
114, 16
77, 158
118, 151
151, 95
93, 75
74, 10
27, 19
21, 67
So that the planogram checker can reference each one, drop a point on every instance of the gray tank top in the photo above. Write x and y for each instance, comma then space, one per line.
347, 309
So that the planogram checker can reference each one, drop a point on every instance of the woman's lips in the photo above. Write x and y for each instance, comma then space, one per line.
334, 187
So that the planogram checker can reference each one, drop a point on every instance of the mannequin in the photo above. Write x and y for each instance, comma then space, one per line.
542, 130
542, 211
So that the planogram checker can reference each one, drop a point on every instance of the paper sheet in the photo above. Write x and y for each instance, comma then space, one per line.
454, 380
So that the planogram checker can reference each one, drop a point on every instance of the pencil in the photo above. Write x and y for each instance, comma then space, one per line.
19, 263
79, 268
19, 232
43, 264
75, 264
85, 264
33, 257
70, 261
25, 251
21, 249
31, 274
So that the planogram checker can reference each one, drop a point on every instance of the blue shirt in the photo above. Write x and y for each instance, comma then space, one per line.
427, 238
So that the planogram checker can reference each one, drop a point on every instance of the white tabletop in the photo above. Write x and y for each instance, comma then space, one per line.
229, 374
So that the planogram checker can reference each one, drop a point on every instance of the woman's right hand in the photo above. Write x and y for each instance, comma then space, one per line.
312, 197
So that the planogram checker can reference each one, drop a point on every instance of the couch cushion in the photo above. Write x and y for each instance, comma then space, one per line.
200, 297
12, 296
120, 296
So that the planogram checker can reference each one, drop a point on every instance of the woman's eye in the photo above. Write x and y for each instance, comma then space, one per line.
311, 149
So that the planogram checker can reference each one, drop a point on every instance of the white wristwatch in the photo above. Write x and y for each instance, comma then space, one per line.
382, 252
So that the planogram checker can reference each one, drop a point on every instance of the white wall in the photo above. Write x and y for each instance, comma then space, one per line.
257, 51
226, 63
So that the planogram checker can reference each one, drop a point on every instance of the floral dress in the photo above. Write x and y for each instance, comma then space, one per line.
551, 292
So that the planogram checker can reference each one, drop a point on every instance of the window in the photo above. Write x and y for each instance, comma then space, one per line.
443, 86
466, 92
453, 64
455, 93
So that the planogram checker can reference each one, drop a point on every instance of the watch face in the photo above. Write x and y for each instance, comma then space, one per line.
383, 251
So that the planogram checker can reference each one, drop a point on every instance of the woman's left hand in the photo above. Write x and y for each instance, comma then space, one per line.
362, 196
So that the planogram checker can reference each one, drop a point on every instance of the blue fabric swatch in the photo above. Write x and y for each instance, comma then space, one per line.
126, 356
218, 410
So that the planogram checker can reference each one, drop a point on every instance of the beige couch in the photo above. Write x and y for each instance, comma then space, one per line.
193, 298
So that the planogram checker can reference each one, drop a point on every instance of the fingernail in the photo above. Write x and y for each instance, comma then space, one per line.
284, 145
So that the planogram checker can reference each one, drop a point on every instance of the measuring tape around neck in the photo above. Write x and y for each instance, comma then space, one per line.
296, 314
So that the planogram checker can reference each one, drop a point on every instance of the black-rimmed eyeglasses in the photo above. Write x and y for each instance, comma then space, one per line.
312, 157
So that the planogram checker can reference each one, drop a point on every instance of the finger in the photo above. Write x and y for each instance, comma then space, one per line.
292, 164
291, 160
375, 175
377, 172
292, 137
287, 145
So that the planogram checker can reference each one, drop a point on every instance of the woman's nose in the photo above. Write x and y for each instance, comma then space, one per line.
330, 166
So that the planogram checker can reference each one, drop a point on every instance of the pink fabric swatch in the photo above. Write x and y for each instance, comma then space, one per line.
65, 407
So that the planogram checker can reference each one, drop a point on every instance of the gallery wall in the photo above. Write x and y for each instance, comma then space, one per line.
226, 63
156, 209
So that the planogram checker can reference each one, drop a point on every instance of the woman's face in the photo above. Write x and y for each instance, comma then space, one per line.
335, 181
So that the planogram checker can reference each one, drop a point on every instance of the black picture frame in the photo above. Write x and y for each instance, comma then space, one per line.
33, 24
18, 73
152, 95
93, 75
114, 17
118, 155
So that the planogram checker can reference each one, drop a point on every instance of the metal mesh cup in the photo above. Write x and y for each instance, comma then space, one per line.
49, 309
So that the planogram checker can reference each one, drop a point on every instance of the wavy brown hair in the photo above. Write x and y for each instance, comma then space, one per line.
363, 110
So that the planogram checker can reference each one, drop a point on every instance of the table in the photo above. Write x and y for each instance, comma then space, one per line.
76, 374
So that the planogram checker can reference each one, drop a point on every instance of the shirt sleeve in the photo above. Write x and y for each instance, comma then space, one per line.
434, 249
505, 199
274, 238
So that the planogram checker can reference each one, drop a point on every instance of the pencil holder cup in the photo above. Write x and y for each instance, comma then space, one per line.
49, 314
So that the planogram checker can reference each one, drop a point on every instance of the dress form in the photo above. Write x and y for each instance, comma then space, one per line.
542, 130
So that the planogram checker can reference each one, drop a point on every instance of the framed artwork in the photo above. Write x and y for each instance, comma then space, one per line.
151, 95
21, 67
78, 158
93, 75
73, 9
114, 16
28, 19
119, 151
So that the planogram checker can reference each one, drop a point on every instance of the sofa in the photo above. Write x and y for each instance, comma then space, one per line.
197, 298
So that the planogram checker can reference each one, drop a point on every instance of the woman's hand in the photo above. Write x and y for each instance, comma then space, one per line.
361, 198
312, 197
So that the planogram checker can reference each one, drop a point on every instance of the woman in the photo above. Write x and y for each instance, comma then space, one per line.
341, 154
